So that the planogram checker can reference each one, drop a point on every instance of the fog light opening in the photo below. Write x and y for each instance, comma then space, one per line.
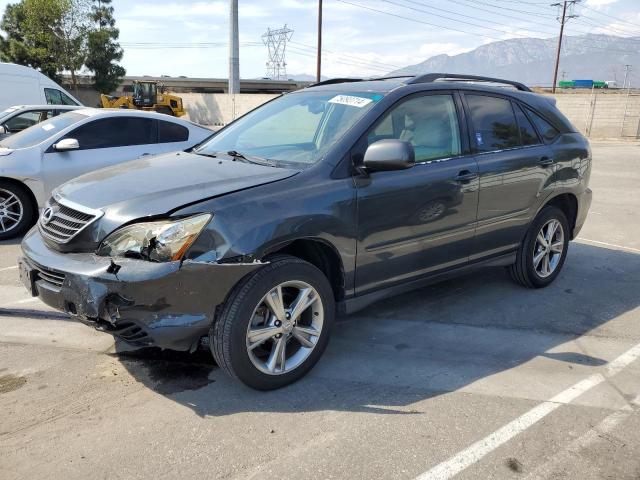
70, 307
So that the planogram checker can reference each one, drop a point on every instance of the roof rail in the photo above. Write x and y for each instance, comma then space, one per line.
432, 77
392, 77
331, 81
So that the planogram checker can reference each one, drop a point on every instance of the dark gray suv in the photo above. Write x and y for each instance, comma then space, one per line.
316, 203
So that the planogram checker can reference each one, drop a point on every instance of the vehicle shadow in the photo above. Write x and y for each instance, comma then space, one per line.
12, 241
425, 343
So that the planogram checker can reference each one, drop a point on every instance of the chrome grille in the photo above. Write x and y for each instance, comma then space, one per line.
61, 222
49, 276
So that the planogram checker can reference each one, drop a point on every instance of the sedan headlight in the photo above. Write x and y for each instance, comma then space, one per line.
161, 241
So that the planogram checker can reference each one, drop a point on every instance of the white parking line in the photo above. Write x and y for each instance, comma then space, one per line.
613, 245
475, 452
8, 268
567, 454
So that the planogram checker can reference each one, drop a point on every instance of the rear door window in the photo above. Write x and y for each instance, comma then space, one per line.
528, 135
169, 132
115, 132
494, 123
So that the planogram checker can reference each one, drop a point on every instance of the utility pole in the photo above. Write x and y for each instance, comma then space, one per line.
626, 75
234, 49
564, 18
627, 68
319, 60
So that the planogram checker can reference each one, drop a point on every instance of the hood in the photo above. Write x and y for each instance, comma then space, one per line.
159, 184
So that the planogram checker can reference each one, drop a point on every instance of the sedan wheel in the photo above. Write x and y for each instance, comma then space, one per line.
11, 211
16, 210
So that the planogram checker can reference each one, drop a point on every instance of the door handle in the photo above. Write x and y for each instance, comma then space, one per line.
546, 161
466, 176
144, 155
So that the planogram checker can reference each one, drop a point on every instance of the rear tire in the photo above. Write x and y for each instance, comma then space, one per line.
267, 346
17, 210
543, 251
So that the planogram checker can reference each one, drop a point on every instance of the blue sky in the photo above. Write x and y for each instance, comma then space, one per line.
361, 37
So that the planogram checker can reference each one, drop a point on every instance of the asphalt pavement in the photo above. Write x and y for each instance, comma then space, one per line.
473, 378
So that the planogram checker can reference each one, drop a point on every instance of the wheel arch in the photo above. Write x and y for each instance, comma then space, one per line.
319, 253
568, 203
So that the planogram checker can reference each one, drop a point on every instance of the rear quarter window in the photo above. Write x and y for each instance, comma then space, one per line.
169, 132
548, 131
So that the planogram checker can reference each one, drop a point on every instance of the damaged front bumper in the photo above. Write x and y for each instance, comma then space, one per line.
169, 305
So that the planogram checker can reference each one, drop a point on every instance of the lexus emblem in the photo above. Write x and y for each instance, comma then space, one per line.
47, 215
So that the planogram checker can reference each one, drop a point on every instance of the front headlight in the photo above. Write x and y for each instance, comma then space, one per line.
161, 241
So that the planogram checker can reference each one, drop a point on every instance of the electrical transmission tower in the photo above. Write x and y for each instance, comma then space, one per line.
566, 8
276, 41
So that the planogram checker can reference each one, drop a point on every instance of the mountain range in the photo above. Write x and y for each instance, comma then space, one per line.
531, 60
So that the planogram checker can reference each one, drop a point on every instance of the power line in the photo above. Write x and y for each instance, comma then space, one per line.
449, 18
502, 7
502, 14
611, 16
416, 20
356, 58
339, 59
594, 23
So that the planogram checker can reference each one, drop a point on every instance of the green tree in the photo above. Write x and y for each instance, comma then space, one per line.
71, 33
29, 36
103, 48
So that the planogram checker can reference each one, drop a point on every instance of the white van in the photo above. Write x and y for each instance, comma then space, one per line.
25, 86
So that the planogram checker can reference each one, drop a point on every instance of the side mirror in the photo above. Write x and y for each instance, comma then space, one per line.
390, 154
3, 130
66, 144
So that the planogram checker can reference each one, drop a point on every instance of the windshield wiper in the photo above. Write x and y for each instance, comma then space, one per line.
212, 155
251, 159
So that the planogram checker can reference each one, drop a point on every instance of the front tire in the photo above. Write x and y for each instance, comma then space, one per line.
543, 251
16, 210
275, 325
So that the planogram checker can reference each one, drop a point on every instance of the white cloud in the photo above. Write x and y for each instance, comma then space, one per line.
600, 3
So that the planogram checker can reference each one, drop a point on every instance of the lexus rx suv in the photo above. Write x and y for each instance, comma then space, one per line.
317, 203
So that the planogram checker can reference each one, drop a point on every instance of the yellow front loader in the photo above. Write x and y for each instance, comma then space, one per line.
147, 97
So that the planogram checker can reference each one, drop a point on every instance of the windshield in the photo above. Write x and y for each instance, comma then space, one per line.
40, 132
295, 130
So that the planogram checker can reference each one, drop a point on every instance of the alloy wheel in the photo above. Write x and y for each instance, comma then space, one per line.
11, 211
548, 249
285, 327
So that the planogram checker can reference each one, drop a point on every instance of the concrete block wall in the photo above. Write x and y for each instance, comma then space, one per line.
597, 114
601, 114
217, 109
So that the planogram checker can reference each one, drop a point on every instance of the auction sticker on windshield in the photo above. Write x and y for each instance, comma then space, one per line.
351, 100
